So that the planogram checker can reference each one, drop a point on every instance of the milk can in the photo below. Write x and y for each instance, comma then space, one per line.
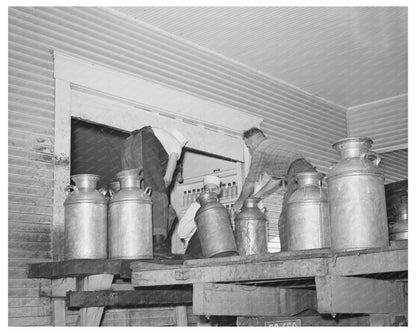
357, 200
250, 229
214, 227
130, 219
398, 227
85, 233
308, 214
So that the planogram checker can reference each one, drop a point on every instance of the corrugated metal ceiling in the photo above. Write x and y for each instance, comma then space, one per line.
346, 55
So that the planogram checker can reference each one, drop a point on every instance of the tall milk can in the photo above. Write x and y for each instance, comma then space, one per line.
357, 200
130, 219
250, 229
214, 227
308, 214
85, 233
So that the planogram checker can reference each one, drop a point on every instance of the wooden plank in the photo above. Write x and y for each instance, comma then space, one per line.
30, 321
61, 286
78, 267
287, 255
84, 267
231, 273
369, 263
59, 316
315, 320
153, 316
338, 294
181, 315
240, 300
92, 316
128, 298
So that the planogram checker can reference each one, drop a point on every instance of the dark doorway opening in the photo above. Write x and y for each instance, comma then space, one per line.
96, 149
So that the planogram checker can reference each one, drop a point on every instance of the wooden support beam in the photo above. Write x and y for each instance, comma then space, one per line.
369, 263
231, 272
243, 300
92, 316
338, 294
59, 288
181, 315
80, 299
84, 267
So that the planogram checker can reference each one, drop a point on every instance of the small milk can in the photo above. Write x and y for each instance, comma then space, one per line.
308, 214
130, 219
398, 228
357, 201
85, 234
250, 229
214, 227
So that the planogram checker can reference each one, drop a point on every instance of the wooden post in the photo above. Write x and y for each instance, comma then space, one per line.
92, 316
59, 289
181, 316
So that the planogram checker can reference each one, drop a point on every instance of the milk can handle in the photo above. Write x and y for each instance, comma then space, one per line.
111, 192
103, 190
148, 191
371, 153
70, 187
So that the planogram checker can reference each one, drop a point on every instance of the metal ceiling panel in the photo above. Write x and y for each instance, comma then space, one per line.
347, 55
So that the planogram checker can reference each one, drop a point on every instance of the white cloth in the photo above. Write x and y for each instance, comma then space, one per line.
258, 185
187, 225
168, 141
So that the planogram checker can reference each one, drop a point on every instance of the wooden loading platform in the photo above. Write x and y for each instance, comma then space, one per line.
271, 289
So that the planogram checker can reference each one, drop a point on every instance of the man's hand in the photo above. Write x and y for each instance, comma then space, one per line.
237, 206
167, 181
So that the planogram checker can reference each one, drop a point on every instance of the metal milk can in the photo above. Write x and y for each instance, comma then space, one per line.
250, 229
214, 227
130, 219
356, 196
308, 214
397, 209
85, 233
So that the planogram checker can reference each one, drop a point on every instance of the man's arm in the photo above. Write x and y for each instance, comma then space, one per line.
170, 169
246, 191
271, 186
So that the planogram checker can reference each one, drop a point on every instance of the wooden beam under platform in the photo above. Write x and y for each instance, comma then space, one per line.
80, 299
243, 300
300, 268
85, 267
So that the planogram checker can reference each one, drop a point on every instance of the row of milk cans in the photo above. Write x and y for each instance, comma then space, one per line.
118, 226
348, 213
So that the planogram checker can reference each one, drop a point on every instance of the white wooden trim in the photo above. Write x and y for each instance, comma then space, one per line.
62, 162
122, 115
150, 95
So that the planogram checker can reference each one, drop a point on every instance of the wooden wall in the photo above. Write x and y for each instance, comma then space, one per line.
293, 116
